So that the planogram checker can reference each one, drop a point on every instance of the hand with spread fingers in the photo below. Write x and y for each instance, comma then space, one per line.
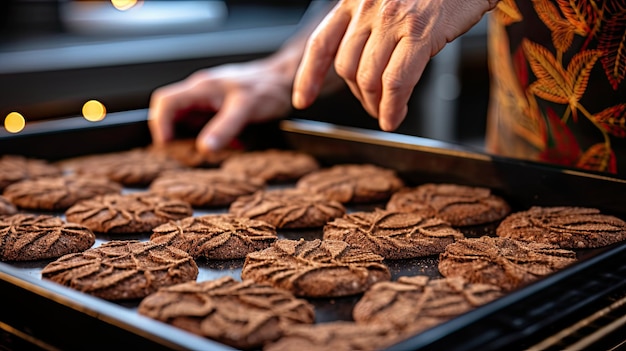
235, 94
238, 94
381, 48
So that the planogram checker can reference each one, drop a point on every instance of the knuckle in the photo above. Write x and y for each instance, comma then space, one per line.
393, 83
318, 44
390, 9
367, 5
345, 71
417, 24
368, 82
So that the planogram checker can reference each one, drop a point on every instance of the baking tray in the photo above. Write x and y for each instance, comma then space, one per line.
41, 314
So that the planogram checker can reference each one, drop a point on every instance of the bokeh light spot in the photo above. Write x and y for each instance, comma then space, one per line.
94, 110
14, 122
123, 5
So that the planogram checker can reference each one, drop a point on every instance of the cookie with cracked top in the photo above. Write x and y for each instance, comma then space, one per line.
136, 212
133, 168
392, 234
185, 152
315, 268
123, 269
220, 237
29, 237
245, 315
205, 187
287, 208
505, 262
395, 303
352, 183
6, 207
15, 168
60, 192
458, 204
272, 165
566, 226
336, 336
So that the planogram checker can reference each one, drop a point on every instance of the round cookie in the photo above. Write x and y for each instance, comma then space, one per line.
391, 234
29, 237
6, 207
567, 227
58, 193
205, 187
220, 237
15, 168
274, 166
335, 336
245, 315
315, 268
127, 213
417, 303
185, 152
287, 208
123, 270
134, 168
504, 262
352, 183
460, 205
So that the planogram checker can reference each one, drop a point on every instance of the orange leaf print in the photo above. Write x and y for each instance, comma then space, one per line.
553, 82
582, 14
612, 42
613, 120
562, 30
507, 12
598, 157
579, 69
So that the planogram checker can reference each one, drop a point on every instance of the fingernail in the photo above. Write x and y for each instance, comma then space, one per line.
385, 125
211, 143
297, 100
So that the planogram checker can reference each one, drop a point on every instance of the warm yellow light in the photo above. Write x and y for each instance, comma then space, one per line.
14, 122
94, 110
123, 5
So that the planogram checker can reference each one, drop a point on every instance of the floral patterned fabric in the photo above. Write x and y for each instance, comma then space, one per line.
558, 89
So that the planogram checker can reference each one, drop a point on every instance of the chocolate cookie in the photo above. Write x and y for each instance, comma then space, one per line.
123, 270
6, 207
391, 234
315, 268
134, 168
567, 227
417, 303
220, 237
185, 152
205, 187
335, 336
15, 168
458, 204
287, 208
271, 165
28, 237
245, 315
58, 193
352, 183
127, 213
507, 263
